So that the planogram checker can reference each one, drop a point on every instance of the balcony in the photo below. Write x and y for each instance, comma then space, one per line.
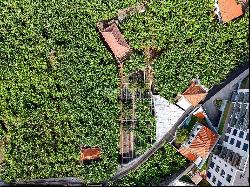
228, 156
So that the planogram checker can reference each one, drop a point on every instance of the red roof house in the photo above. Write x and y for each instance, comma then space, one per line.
116, 41
198, 148
229, 10
90, 154
194, 93
200, 115
192, 96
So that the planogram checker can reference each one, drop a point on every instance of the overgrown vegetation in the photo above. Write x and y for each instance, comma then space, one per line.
145, 130
58, 83
190, 43
182, 135
58, 89
164, 162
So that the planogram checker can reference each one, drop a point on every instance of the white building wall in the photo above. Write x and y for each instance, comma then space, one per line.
222, 165
237, 138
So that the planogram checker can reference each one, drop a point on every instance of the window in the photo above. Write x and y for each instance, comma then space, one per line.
238, 144
241, 176
214, 179
217, 169
228, 130
225, 165
222, 173
245, 147
226, 138
232, 141
189, 142
208, 174
247, 136
219, 183
192, 135
229, 177
232, 169
241, 134
212, 165
235, 132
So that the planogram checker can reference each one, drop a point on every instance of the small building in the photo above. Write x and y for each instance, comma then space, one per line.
199, 145
90, 154
115, 41
192, 96
228, 10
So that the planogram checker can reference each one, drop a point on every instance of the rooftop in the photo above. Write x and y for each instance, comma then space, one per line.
201, 144
229, 10
116, 41
195, 93
90, 154
167, 114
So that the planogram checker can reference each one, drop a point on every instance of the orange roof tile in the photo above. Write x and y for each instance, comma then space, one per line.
200, 115
201, 144
229, 10
185, 152
90, 154
194, 94
116, 41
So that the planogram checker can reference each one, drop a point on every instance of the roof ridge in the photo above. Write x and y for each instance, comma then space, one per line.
195, 94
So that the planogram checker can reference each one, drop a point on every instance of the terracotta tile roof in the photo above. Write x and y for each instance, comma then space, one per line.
201, 144
90, 154
194, 94
116, 41
200, 115
229, 10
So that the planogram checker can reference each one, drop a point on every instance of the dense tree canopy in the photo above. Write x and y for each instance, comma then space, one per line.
58, 88
58, 82
189, 41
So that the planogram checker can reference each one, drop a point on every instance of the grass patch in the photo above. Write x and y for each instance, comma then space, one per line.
224, 117
220, 129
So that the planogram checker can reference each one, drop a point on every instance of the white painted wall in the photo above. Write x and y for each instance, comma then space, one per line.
236, 137
226, 167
